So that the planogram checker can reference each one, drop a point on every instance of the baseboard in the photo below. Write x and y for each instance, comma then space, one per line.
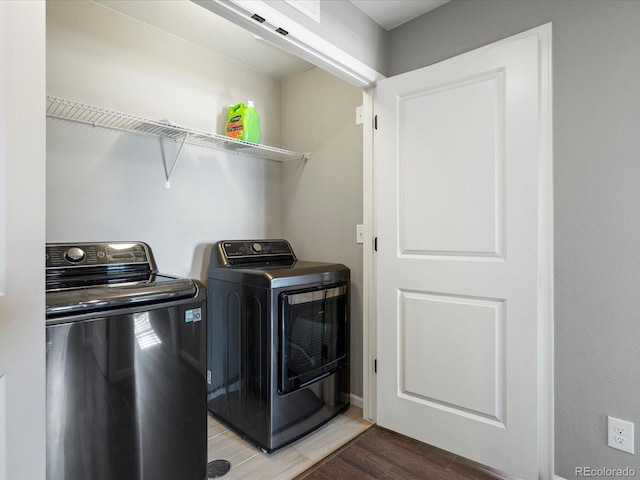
356, 401
558, 477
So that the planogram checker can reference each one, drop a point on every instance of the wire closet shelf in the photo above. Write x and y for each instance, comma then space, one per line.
103, 117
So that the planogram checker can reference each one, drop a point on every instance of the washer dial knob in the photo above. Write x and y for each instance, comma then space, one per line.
256, 247
74, 255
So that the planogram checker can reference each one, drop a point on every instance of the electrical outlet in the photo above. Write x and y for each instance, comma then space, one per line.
620, 434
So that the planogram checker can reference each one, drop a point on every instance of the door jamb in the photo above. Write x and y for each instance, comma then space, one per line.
369, 322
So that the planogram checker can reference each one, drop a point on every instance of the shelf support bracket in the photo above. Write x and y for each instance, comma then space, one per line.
168, 172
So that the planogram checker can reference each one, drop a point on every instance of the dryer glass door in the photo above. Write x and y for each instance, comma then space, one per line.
313, 335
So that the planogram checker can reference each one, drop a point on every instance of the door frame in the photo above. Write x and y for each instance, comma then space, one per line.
545, 234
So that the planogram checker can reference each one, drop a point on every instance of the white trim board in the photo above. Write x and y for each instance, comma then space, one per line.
369, 338
299, 40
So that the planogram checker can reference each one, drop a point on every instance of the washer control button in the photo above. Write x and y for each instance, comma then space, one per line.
256, 247
74, 255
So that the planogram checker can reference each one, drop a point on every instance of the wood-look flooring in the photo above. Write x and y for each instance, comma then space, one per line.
379, 454
346, 448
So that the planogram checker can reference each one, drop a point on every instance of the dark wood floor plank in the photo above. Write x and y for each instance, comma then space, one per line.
365, 461
400, 475
419, 459
337, 468
433, 454
380, 454
470, 470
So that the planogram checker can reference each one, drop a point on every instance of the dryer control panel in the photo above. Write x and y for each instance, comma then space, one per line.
234, 252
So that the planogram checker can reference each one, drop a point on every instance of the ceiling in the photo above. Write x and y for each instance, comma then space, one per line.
204, 28
393, 13
199, 26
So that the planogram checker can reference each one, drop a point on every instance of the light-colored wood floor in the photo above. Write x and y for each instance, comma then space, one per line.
247, 462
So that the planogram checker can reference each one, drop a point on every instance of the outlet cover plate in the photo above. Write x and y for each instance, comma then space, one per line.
620, 434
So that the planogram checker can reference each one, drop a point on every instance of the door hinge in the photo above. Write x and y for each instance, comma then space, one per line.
375, 122
375, 365
375, 244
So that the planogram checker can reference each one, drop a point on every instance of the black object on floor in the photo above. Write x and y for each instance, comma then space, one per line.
218, 468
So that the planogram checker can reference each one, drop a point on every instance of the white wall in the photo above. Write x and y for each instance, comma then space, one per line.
106, 185
322, 200
22, 165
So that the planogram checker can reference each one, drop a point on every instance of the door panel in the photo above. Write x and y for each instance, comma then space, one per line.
457, 162
463, 143
470, 330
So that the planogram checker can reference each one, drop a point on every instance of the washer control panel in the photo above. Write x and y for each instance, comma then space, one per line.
60, 255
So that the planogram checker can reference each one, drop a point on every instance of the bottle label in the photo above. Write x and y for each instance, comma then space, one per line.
234, 127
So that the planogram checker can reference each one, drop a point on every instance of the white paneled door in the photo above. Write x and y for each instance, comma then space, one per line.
458, 186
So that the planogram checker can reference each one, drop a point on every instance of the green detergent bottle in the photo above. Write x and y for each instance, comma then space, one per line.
243, 122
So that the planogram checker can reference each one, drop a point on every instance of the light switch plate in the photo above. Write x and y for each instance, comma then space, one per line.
359, 233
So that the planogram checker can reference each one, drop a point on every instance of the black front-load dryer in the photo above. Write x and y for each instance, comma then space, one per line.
278, 341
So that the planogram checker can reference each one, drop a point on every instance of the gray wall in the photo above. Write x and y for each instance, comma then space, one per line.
322, 200
596, 81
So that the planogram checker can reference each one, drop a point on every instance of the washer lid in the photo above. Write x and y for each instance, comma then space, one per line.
92, 277
97, 298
